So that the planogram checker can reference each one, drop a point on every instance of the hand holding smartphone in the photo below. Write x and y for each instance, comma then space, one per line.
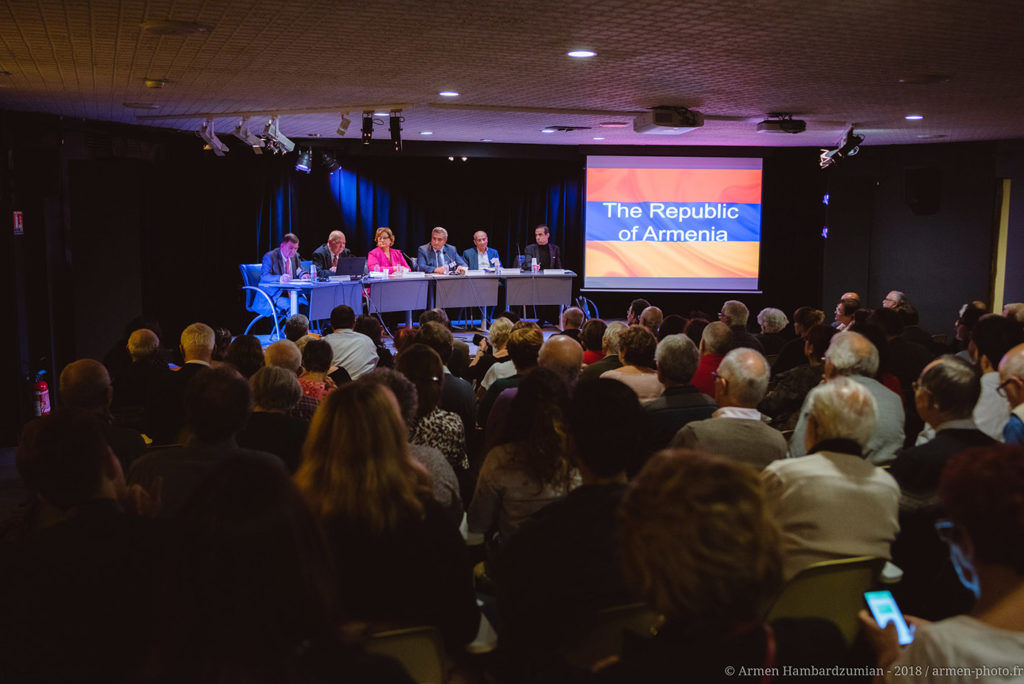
884, 609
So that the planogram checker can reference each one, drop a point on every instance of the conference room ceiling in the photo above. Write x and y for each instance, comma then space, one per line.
830, 63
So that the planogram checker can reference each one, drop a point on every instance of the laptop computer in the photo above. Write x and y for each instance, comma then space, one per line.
351, 266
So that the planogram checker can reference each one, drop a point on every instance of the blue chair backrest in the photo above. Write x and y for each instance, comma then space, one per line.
251, 276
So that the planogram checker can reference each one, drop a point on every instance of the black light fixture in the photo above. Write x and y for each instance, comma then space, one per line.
396, 129
848, 146
305, 161
329, 162
367, 127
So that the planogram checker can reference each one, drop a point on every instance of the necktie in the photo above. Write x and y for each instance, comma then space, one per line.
334, 264
437, 259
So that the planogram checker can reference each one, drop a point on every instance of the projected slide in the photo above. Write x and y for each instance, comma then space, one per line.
672, 223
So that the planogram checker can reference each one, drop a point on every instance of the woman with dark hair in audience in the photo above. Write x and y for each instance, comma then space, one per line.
247, 592
530, 469
672, 325
695, 329
400, 561
636, 350
592, 339
786, 391
370, 326
316, 363
245, 354
699, 545
433, 426
271, 427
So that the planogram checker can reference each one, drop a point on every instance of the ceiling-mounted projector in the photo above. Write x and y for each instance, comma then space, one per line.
668, 121
782, 125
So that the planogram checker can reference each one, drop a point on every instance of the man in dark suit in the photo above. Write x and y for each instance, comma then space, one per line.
437, 256
165, 415
546, 254
283, 260
480, 255
326, 256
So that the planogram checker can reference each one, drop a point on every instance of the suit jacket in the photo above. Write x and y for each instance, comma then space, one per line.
273, 265
548, 256
749, 441
676, 407
472, 258
918, 469
594, 370
426, 258
322, 257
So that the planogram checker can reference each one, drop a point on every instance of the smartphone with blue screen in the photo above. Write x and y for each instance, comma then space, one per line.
884, 609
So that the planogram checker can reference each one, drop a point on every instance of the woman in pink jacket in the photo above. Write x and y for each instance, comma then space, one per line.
385, 257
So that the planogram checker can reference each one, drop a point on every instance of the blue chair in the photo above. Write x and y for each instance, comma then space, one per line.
257, 300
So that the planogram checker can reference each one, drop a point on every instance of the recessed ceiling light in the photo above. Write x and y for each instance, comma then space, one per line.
448, 93
598, 138
581, 54
155, 82
380, 113
914, 117
614, 124
547, 130
426, 132
486, 140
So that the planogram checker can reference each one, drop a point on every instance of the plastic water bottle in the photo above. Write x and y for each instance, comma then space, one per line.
312, 271
534, 266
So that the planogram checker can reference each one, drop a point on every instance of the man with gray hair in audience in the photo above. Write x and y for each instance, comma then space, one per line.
136, 385
166, 414
681, 402
852, 355
833, 503
735, 314
652, 318
285, 354
737, 429
773, 322
296, 327
610, 346
572, 320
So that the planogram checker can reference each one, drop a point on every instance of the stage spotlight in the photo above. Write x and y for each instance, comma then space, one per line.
849, 145
211, 139
396, 129
305, 161
274, 139
243, 133
367, 127
329, 162
343, 125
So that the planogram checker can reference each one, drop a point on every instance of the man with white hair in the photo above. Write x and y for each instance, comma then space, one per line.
610, 346
773, 322
285, 354
1011, 386
833, 503
681, 403
325, 257
166, 416
737, 429
852, 355
735, 314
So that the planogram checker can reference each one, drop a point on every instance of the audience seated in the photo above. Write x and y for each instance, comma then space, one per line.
442, 475
792, 353
652, 318
76, 596
136, 383
529, 469
166, 414
572, 320
491, 350
399, 559
737, 429
246, 355
432, 426
1011, 376
246, 592
524, 345
296, 327
456, 393
679, 404
674, 324
85, 386
715, 342
560, 568
636, 307
698, 544
945, 395
315, 380
353, 351
787, 390
833, 503
980, 491
991, 338
457, 361
590, 339
610, 352
773, 322
735, 314
852, 355
695, 329
636, 351
270, 427
217, 405
370, 326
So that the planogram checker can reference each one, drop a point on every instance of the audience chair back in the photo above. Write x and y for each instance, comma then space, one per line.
420, 650
604, 633
831, 590
257, 300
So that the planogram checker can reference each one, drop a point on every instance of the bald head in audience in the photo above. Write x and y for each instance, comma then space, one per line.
742, 379
85, 385
716, 338
142, 344
563, 355
283, 354
652, 318
1011, 375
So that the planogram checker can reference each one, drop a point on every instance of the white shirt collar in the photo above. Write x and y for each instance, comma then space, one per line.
737, 412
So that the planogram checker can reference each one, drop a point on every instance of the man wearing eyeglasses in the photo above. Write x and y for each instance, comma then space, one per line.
1011, 386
